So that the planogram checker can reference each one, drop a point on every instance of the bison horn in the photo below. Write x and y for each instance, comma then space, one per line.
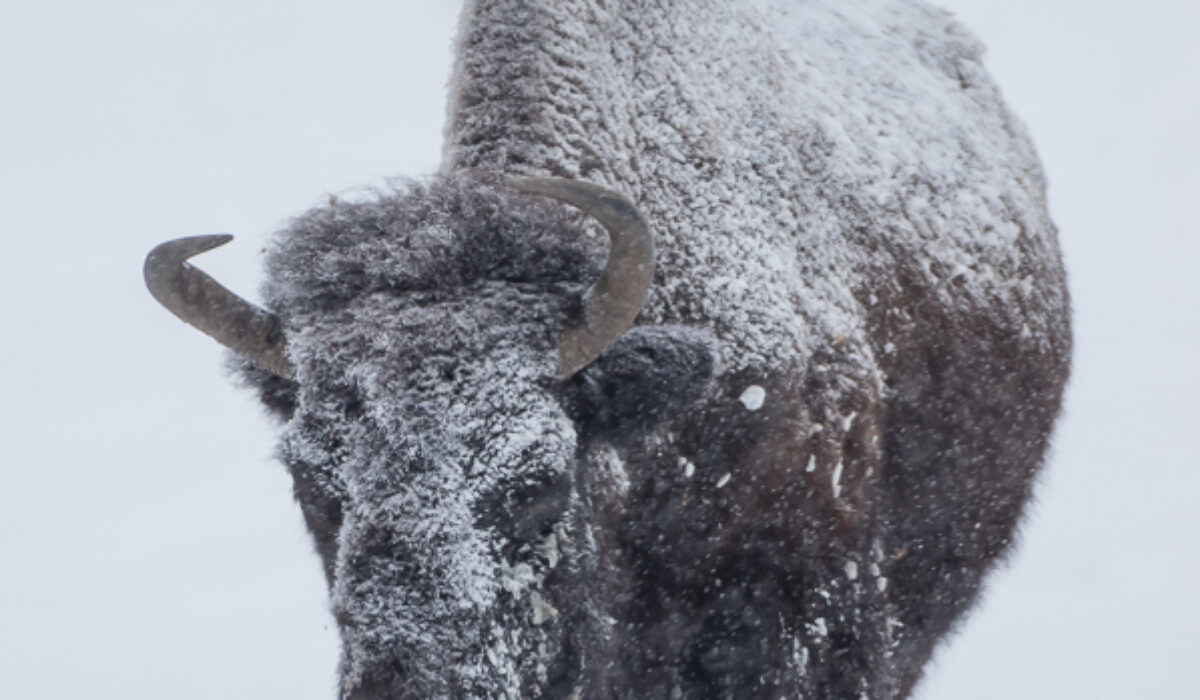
618, 296
193, 296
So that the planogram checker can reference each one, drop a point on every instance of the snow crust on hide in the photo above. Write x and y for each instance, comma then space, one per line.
833, 184
836, 189
752, 398
816, 173
789, 154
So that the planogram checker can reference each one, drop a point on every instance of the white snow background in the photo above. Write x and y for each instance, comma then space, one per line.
149, 547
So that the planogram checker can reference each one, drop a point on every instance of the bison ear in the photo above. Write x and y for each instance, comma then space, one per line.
648, 374
277, 394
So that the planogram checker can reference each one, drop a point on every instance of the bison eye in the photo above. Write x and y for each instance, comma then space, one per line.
649, 373
525, 511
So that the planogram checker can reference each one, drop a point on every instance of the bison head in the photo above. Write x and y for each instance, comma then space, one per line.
424, 348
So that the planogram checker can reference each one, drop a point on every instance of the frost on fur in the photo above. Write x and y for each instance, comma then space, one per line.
790, 477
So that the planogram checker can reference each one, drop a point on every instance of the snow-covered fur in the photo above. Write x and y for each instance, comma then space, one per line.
789, 479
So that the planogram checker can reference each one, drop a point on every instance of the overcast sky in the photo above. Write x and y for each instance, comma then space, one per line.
148, 543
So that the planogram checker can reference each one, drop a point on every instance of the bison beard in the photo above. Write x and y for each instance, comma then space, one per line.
788, 478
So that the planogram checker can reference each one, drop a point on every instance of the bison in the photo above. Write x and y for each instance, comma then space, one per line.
717, 360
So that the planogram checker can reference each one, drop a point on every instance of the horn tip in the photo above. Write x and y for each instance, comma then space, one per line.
188, 246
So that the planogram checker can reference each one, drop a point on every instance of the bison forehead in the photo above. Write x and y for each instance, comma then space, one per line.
455, 231
406, 390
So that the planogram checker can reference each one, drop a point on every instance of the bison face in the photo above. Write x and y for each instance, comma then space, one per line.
440, 467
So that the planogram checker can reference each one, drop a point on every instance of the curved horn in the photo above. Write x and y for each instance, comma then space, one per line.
618, 296
200, 300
